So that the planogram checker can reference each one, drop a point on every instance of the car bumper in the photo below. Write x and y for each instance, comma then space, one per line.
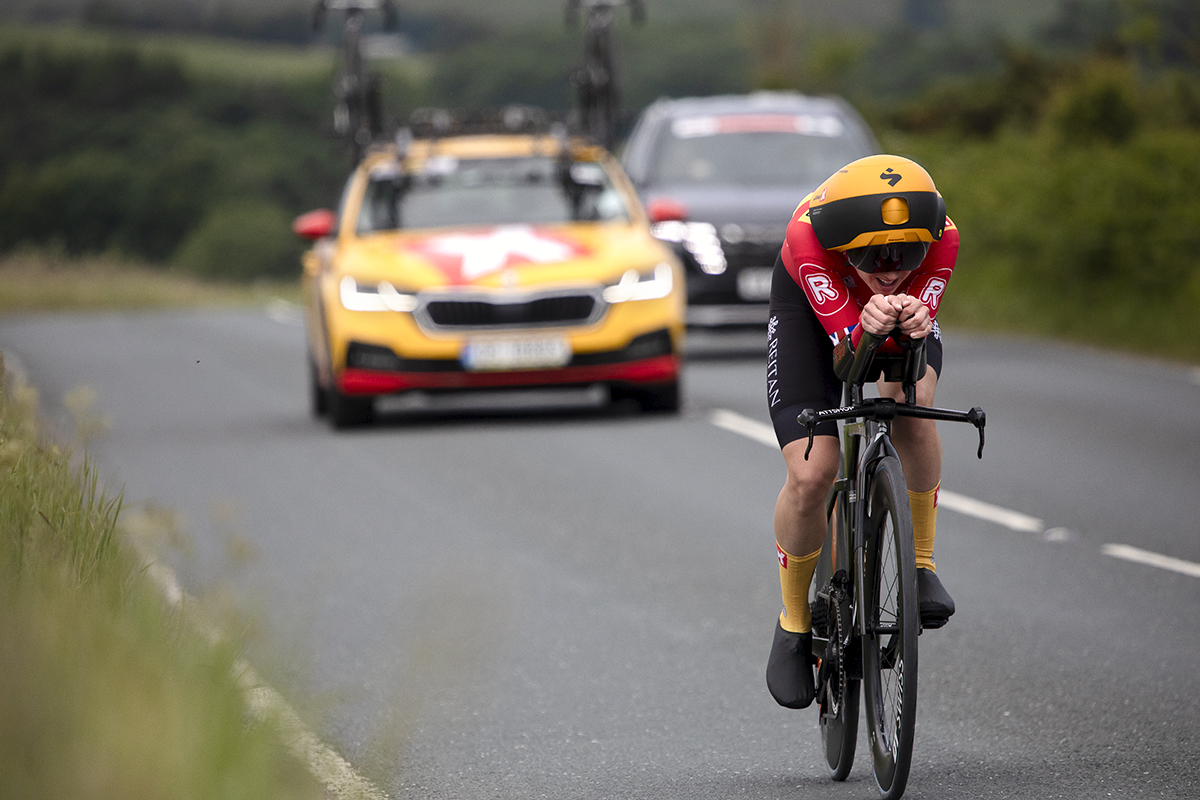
372, 370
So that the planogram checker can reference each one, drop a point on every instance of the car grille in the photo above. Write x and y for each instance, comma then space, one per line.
479, 311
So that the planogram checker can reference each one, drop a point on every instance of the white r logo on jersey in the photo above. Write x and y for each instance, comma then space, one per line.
822, 288
931, 295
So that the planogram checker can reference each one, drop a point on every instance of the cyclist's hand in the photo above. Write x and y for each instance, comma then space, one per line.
914, 320
880, 314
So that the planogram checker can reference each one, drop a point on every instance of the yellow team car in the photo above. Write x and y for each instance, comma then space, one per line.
486, 260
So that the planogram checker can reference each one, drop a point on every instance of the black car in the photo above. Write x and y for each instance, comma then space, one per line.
720, 178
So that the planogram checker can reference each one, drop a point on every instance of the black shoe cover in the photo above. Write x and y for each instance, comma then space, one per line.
789, 669
935, 602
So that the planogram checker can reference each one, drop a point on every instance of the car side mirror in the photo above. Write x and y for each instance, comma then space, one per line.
665, 210
315, 224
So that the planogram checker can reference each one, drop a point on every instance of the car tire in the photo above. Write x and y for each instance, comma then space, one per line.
661, 398
346, 411
318, 398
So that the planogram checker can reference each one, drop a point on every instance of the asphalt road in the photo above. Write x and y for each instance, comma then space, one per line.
571, 602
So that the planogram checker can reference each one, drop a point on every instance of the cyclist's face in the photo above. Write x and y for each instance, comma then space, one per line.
882, 282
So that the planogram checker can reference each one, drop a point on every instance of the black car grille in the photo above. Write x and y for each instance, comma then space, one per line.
476, 312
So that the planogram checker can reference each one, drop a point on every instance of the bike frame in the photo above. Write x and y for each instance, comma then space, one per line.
865, 438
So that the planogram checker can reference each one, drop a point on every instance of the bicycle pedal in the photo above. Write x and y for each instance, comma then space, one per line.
934, 624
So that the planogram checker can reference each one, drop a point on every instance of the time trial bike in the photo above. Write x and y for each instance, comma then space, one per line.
864, 592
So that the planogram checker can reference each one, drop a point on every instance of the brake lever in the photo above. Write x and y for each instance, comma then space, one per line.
808, 418
977, 418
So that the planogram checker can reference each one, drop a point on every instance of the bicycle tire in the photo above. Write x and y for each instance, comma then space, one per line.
838, 706
889, 648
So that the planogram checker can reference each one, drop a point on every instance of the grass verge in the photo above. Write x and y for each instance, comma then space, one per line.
40, 280
108, 692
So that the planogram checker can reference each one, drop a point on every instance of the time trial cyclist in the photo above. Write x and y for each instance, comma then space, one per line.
871, 249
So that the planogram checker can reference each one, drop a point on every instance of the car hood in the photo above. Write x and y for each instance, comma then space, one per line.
741, 205
503, 256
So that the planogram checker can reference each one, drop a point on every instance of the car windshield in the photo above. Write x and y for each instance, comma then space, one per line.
449, 192
754, 150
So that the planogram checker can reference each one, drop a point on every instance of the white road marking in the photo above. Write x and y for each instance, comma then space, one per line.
1014, 520
284, 312
1135, 554
339, 777
761, 432
750, 428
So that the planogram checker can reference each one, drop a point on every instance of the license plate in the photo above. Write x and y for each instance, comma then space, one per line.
754, 283
505, 354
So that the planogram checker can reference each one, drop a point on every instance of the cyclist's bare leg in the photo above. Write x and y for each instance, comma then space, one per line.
800, 510
920, 449
799, 532
917, 440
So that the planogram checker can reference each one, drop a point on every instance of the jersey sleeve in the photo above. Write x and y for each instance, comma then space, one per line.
931, 278
817, 273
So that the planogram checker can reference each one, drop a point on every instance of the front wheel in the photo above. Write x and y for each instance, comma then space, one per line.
349, 411
889, 649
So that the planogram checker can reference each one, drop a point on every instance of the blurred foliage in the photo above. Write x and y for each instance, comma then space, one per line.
107, 693
1095, 241
1061, 151
113, 147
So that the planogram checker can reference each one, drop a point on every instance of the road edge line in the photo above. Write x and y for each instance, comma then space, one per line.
340, 778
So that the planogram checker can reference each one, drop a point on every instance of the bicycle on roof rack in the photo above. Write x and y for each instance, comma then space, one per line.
357, 111
864, 591
595, 79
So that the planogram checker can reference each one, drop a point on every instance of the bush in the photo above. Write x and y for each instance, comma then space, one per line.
1091, 241
241, 240
1100, 105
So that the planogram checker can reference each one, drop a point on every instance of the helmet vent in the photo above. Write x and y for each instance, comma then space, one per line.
895, 211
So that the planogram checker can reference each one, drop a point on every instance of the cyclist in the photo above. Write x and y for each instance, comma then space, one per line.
871, 249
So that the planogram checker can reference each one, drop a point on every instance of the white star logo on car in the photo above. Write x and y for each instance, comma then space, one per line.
474, 255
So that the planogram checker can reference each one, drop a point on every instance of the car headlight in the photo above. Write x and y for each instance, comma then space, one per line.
699, 238
382, 296
634, 285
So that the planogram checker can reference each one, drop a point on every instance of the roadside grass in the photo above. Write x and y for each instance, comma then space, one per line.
109, 692
43, 280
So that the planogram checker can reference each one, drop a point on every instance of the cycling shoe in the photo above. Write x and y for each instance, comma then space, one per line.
790, 669
935, 602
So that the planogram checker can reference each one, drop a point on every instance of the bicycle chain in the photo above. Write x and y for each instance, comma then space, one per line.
836, 643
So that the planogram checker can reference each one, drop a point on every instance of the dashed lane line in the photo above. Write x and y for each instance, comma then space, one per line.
761, 432
1014, 520
1139, 556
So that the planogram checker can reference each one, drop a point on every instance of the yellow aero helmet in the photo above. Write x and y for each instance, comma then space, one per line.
883, 212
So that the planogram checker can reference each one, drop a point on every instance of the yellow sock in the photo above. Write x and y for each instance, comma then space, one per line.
795, 575
924, 519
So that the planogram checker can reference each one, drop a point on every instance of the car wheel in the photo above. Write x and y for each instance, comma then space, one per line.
318, 399
346, 411
662, 398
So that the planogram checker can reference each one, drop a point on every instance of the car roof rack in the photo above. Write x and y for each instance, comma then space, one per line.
434, 123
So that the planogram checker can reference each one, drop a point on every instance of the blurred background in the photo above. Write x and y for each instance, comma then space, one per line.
1065, 135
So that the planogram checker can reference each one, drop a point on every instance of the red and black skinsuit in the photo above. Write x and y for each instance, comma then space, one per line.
816, 300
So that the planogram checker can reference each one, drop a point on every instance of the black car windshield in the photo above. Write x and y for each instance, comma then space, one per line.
754, 150
449, 192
